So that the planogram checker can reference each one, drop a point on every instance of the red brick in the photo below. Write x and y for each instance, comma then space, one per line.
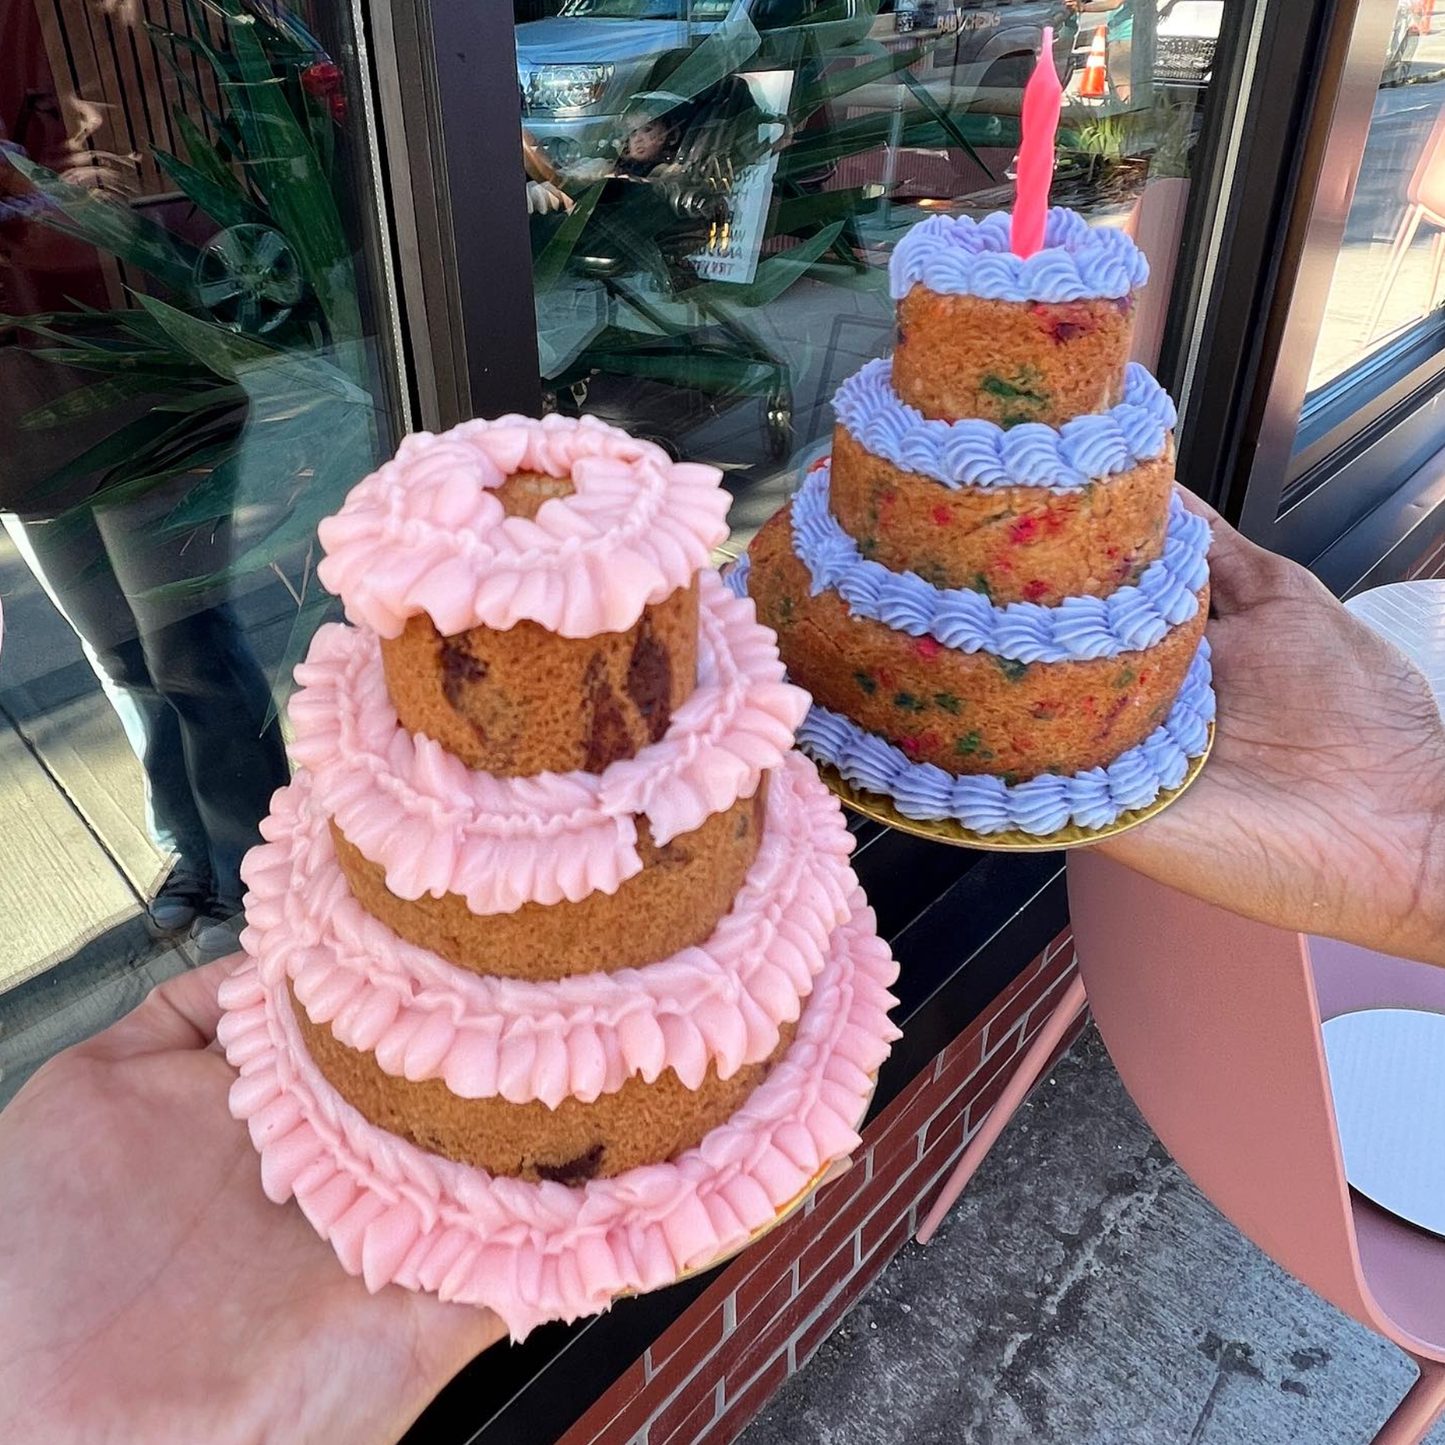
701, 1345
688, 1415
1043, 1010
1018, 1006
840, 1227
754, 1396
904, 1103
694, 1333
962, 1058
764, 1335
833, 1270
762, 1282
765, 1308
1063, 941
898, 1148
947, 1121
828, 1319
883, 1219
618, 1415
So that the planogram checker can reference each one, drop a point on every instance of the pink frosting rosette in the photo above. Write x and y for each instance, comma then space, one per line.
538, 1252
425, 533
436, 826
721, 1002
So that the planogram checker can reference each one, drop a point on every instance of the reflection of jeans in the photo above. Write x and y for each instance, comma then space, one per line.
176, 670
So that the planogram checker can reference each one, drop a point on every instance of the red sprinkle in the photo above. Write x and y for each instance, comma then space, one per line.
1090, 705
909, 745
1024, 531
927, 648
1035, 589
820, 464
887, 678
1020, 744
1049, 705
942, 516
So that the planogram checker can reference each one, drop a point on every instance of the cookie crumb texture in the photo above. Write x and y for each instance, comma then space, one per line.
1011, 361
640, 1124
685, 887
1015, 544
967, 713
527, 701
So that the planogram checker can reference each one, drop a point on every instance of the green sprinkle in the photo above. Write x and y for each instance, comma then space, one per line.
980, 584
948, 702
1011, 391
869, 546
1124, 678
969, 744
785, 609
909, 703
1012, 669
865, 682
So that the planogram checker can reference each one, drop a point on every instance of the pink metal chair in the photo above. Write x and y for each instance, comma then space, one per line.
1213, 1023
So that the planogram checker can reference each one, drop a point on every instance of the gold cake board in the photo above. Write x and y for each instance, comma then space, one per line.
949, 830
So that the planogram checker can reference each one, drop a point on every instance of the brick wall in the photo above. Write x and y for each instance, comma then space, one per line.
719, 1364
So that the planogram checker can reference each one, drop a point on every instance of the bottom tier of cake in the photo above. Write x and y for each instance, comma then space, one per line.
545, 1251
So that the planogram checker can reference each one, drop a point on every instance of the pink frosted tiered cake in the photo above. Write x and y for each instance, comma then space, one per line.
557, 981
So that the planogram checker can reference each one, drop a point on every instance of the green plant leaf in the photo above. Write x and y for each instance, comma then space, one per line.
226, 207
112, 227
297, 191
86, 401
558, 250
223, 351
204, 156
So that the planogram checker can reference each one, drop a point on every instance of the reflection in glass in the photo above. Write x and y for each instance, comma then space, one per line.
1388, 273
186, 387
736, 174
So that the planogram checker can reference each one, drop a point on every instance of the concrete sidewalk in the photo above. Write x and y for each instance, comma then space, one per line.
1083, 1291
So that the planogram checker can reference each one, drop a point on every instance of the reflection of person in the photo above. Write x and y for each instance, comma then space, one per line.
544, 183
150, 1292
177, 671
1322, 808
184, 684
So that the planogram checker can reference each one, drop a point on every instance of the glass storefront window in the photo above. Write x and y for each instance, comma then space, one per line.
190, 377
1387, 280
715, 188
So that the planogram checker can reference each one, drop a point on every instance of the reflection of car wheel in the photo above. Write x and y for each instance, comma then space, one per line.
248, 278
778, 419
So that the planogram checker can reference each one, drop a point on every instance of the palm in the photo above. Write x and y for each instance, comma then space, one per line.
143, 1267
1324, 802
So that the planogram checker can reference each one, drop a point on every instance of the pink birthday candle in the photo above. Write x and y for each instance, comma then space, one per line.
1043, 96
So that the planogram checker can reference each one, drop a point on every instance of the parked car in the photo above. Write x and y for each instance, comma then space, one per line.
582, 69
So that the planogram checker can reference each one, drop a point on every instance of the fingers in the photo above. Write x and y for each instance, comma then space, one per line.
181, 1013
1241, 574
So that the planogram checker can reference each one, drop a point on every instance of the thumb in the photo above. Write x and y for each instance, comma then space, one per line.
181, 1013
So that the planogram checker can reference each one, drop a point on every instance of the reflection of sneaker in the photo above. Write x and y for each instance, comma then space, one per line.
217, 930
178, 900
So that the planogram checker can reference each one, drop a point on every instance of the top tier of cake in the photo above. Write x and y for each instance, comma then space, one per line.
534, 584
985, 333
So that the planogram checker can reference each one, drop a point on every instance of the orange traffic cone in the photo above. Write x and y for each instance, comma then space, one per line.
1095, 84
1427, 14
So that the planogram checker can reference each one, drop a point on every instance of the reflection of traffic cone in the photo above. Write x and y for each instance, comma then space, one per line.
1427, 14
1095, 84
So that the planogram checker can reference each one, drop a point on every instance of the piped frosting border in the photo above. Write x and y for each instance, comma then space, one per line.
721, 1002
538, 1252
1042, 805
978, 453
426, 534
958, 256
436, 826
1076, 629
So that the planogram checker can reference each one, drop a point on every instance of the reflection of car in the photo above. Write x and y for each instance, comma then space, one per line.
581, 68
1186, 32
